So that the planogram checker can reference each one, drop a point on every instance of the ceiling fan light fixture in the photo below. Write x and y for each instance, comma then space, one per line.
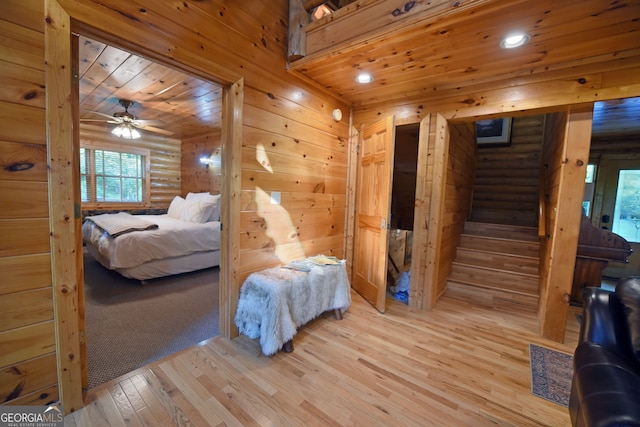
126, 131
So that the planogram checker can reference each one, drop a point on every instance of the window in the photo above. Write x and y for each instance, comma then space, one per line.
113, 176
626, 214
589, 188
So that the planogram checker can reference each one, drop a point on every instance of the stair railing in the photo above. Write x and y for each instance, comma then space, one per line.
542, 209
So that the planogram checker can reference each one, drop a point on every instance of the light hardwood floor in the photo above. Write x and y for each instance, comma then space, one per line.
458, 365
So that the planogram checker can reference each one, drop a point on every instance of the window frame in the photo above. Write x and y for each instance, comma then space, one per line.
120, 148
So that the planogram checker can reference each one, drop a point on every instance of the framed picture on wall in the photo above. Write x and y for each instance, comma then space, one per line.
493, 132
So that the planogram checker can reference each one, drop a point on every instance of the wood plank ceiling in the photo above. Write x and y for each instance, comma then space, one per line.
186, 106
459, 51
443, 56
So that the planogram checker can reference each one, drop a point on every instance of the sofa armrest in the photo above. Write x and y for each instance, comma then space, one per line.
603, 320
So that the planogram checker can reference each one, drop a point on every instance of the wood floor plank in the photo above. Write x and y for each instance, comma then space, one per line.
459, 364
119, 408
150, 400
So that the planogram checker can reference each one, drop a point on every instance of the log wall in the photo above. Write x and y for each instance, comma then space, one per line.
196, 177
165, 172
291, 145
507, 177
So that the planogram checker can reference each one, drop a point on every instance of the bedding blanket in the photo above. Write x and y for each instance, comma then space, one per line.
172, 238
121, 223
275, 302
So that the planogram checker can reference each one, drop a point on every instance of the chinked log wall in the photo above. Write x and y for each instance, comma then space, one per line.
287, 125
164, 163
507, 177
197, 177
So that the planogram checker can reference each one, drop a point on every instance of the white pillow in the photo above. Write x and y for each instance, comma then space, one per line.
198, 210
193, 196
176, 207
209, 198
215, 214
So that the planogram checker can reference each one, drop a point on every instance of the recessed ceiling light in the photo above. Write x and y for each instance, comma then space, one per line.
364, 78
514, 40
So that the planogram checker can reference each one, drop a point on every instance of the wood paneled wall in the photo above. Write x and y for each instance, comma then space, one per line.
303, 157
196, 177
420, 290
27, 345
291, 145
444, 187
460, 177
507, 177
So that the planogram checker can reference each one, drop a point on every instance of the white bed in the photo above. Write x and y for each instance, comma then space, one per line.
174, 246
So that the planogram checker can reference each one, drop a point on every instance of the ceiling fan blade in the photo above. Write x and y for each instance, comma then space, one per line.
99, 120
155, 129
148, 122
101, 114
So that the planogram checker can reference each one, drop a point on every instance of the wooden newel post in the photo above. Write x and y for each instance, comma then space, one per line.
298, 19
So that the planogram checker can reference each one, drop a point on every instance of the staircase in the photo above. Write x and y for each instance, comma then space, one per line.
497, 265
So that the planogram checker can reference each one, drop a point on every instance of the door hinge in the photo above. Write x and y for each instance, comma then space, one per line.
358, 149
82, 336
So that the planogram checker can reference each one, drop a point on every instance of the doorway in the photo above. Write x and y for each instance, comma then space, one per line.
61, 108
177, 120
617, 208
405, 167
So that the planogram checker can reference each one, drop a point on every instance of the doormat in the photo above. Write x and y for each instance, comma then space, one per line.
551, 374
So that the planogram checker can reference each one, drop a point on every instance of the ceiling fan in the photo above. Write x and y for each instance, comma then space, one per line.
128, 124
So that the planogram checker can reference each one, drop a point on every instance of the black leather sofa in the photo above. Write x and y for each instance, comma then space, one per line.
606, 366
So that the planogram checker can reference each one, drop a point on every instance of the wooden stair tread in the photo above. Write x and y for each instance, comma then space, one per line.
492, 286
515, 232
495, 270
497, 264
495, 299
497, 261
500, 239
518, 247
532, 258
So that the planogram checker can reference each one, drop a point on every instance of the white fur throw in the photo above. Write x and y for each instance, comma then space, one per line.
275, 302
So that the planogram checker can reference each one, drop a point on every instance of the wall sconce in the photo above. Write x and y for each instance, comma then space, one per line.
206, 161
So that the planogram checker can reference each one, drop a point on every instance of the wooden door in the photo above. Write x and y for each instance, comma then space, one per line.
373, 206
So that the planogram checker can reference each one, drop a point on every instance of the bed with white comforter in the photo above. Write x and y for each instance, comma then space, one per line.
133, 246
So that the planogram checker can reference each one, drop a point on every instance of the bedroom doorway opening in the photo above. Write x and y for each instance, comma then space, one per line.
178, 153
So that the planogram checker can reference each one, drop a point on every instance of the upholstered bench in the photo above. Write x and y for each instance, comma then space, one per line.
275, 302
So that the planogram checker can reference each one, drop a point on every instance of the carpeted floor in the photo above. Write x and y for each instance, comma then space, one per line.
130, 325
551, 373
